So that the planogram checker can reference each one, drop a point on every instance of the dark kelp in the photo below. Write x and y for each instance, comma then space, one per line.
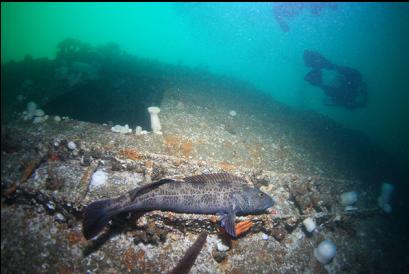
188, 260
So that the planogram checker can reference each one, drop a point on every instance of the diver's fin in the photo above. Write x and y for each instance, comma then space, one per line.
227, 223
96, 217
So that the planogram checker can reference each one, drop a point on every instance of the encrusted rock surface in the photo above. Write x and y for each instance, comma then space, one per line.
45, 186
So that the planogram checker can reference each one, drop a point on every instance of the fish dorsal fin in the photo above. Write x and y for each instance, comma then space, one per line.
215, 178
149, 187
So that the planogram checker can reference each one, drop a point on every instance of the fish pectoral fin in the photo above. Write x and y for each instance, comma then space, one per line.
243, 227
227, 223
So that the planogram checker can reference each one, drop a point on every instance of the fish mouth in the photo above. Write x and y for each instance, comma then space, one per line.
270, 205
269, 209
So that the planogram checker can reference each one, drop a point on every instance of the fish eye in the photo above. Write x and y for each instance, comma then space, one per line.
261, 194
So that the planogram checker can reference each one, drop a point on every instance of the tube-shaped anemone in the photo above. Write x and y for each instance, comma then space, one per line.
384, 199
155, 122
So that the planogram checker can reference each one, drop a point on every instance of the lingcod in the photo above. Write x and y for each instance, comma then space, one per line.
218, 193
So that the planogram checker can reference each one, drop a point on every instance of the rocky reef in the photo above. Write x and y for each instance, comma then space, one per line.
52, 169
45, 186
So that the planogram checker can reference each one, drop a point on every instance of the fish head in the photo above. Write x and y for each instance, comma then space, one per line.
255, 201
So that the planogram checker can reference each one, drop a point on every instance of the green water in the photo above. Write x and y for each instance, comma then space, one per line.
245, 41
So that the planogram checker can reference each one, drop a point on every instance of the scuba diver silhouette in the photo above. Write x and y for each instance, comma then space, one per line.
343, 85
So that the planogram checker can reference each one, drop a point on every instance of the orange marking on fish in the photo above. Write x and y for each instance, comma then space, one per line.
243, 227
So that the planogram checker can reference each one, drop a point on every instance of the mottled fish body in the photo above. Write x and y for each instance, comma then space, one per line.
218, 193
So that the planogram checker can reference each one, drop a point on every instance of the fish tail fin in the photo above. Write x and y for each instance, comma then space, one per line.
96, 217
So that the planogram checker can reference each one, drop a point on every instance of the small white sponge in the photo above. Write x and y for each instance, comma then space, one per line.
349, 198
121, 129
309, 224
325, 251
98, 179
